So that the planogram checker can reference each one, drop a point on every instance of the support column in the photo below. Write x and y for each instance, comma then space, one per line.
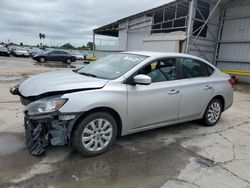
223, 12
127, 26
191, 14
93, 43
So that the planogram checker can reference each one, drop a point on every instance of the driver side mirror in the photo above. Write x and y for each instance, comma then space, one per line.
142, 79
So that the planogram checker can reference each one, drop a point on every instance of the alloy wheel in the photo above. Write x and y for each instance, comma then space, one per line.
214, 112
97, 135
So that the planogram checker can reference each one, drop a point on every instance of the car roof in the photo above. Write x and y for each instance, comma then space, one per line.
58, 50
163, 54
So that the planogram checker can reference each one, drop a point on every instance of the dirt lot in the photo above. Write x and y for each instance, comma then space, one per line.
185, 155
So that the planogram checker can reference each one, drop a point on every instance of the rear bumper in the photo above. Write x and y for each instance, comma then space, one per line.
42, 131
228, 100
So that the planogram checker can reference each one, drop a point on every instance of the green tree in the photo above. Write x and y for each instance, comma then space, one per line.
42, 36
67, 46
90, 45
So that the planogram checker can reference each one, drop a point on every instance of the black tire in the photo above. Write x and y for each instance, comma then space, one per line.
42, 59
207, 119
79, 131
68, 61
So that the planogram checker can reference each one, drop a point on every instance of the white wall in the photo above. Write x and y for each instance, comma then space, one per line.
161, 46
132, 33
136, 37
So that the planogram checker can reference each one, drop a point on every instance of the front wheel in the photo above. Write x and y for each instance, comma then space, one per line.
42, 59
213, 112
95, 134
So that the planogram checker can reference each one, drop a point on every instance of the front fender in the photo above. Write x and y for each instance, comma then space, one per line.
111, 97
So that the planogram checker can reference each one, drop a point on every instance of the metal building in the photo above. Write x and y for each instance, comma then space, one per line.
216, 30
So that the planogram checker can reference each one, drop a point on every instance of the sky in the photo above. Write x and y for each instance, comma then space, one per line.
64, 21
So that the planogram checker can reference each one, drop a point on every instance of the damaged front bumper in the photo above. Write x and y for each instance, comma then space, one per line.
45, 130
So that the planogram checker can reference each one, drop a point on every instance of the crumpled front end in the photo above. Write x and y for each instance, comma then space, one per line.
42, 131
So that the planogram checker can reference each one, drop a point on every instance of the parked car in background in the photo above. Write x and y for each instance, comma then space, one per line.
35, 51
20, 52
79, 56
91, 106
55, 55
4, 51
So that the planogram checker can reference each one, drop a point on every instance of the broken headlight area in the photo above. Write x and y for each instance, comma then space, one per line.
42, 131
45, 125
44, 106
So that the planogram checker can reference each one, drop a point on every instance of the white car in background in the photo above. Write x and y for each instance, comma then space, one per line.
20, 52
79, 55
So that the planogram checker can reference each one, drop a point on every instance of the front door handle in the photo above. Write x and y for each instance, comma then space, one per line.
208, 87
173, 92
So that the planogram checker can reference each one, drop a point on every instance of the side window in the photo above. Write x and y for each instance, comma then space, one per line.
55, 52
190, 68
63, 53
161, 70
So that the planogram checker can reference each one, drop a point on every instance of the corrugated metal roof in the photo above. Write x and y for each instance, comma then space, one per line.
113, 27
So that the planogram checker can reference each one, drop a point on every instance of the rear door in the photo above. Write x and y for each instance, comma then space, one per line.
196, 87
53, 56
64, 56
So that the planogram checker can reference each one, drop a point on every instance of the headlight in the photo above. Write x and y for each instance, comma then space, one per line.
45, 105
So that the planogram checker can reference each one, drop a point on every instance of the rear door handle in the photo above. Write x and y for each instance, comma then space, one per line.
173, 92
208, 87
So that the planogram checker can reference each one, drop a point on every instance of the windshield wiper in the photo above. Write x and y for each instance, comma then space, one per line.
87, 74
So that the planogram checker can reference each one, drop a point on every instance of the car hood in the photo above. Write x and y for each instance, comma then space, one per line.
57, 82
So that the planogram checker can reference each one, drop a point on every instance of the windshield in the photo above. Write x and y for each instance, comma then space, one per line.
112, 66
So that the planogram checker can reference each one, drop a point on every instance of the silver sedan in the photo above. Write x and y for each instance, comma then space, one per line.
120, 94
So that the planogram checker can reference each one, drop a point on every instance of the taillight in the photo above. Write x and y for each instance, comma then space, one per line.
231, 81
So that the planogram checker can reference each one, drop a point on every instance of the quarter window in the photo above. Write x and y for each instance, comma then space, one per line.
210, 70
190, 68
161, 70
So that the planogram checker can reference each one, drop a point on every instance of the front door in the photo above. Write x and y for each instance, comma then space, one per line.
157, 103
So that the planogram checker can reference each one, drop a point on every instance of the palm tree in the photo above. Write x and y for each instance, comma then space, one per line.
40, 36
43, 38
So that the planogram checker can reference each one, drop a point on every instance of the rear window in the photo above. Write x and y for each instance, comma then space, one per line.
192, 68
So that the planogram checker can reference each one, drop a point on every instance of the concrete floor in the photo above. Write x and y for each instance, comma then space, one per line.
184, 155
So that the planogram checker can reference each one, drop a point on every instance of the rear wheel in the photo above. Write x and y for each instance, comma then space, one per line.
42, 59
68, 61
95, 134
213, 112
